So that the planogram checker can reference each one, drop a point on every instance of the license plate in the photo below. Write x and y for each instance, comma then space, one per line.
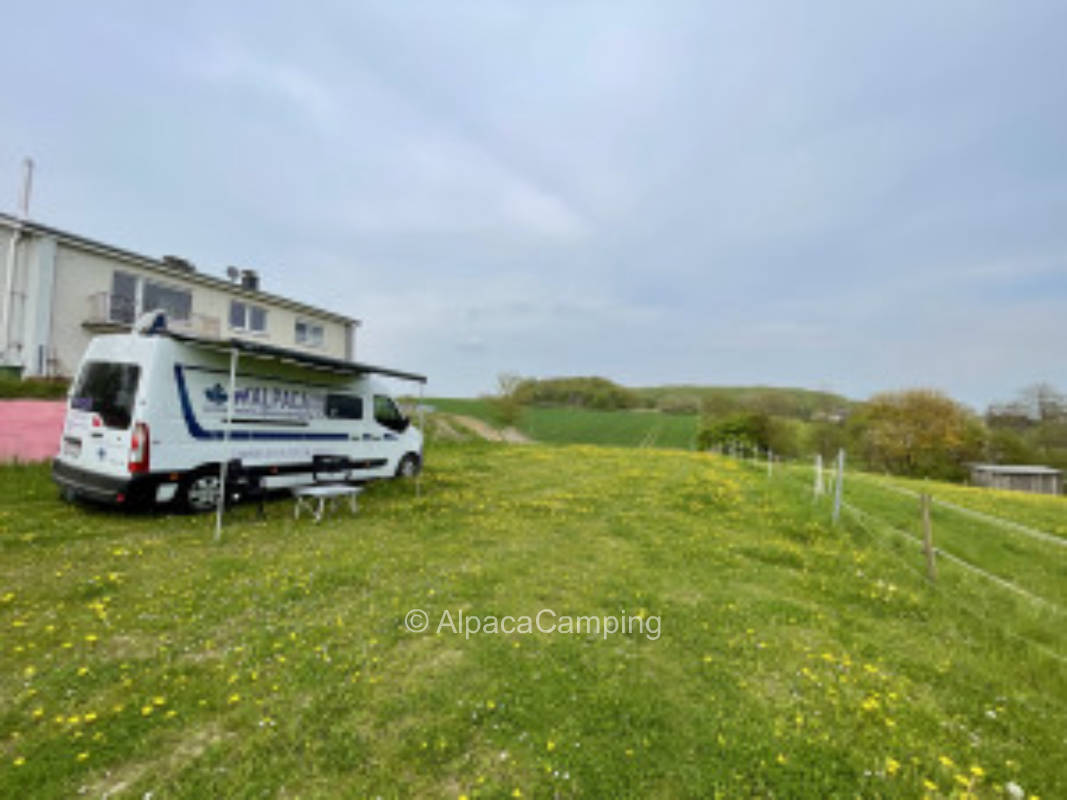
72, 447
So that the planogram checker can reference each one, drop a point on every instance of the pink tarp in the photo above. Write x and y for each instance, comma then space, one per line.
30, 429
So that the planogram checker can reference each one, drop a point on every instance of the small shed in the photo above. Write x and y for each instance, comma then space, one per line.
1019, 477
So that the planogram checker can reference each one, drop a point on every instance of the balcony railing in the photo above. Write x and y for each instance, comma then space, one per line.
106, 309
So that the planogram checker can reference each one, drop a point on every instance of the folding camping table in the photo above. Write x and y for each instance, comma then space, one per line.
317, 499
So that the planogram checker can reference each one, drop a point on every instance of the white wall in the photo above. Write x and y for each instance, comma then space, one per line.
80, 273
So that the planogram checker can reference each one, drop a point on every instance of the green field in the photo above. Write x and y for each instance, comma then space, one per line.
793, 658
568, 425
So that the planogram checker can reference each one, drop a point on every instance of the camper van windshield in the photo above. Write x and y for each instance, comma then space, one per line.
107, 389
387, 414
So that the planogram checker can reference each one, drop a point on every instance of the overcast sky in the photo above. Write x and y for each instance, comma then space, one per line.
848, 196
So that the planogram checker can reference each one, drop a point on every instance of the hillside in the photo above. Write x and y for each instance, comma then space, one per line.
790, 658
781, 401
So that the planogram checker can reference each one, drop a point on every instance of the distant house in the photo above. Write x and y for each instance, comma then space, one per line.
1022, 478
58, 290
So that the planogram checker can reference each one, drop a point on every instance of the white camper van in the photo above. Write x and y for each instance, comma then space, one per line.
151, 419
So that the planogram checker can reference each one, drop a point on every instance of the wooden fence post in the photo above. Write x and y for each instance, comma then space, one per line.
928, 537
838, 483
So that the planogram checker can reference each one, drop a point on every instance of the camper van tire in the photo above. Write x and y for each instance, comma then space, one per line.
200, 491
408, 467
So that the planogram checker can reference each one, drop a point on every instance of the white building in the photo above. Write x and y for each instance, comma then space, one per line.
59, 290
1018, 477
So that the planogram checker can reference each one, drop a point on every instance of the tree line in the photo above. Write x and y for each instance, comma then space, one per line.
914, 432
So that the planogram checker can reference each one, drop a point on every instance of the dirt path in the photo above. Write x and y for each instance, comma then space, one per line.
486, 431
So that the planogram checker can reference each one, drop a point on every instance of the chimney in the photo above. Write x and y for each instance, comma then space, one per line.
176, 262
250, 280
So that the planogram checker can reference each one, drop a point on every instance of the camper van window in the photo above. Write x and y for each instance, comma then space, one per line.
344, 406
107, 389
386, 413
176, 302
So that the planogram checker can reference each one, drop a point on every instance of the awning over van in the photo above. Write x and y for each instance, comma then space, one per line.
325, 363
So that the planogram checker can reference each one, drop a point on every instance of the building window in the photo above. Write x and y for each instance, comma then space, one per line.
178, 303
246, 317
308, 333
131, 294
123, 305
257, 318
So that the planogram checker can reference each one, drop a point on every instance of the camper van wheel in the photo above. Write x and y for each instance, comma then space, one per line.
408, 466
200, 492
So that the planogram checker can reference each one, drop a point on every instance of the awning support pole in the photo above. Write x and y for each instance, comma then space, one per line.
422, 428
226, 445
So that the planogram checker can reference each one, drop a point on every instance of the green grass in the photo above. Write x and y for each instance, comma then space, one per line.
1047, 513
566, 425
33, 388
795, 659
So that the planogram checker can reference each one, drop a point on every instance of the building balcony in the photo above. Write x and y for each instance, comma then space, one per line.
114, 313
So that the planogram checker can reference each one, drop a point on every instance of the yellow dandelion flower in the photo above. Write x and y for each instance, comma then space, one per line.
517, 792
550, 746
782, 758
977, 771
90, 716
929, 785
19, 761
83, 671
38, 712
234, 698
490, 704
159, 701
146, 710
963, 780
892, 766
82, 756
946, 762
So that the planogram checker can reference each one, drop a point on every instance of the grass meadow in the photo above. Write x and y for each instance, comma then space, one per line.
794, 658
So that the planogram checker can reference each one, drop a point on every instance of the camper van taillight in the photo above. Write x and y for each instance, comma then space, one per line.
139, 448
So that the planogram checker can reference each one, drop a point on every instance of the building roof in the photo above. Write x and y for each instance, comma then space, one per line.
160, 266
1016, 469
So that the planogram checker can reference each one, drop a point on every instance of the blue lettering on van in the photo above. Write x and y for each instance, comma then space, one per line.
197, 431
